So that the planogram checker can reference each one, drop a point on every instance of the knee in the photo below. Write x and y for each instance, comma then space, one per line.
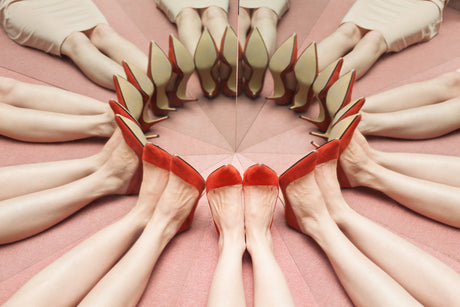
450, 82
74, 44
100, 33
264, 15
349, 32
7, 86
375, 42
188, 15
214, 14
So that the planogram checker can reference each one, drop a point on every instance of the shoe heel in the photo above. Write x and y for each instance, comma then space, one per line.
301, 168
305, 71
281, 65
185, 171
206, 57
182, 68
229, 56
256, 60
326, 78
159, 72
139, 79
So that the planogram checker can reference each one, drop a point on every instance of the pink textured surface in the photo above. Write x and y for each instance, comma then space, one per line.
211, 133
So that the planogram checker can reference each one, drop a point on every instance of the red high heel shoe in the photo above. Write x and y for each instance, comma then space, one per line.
135, 139
140, 80
281, 66
225, 175
301, 168
206, 64
305, 71
131, 99
230, 55
159, 71
185, 171
326, 78
182, 68
338, 96
255, 59
350, 109
157, 156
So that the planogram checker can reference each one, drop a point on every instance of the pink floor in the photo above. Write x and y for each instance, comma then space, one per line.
211, 133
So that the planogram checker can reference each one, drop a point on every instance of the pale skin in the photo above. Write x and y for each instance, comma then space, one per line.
433, 284
64, 188
91, 267
418, 110
423, 183
99, 52
358, 274
38, 113
254, 221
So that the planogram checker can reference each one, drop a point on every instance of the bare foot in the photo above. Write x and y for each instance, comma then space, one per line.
307, 203
259, 206
227, 211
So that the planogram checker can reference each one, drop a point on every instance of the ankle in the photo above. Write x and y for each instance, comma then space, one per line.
234, 242
256, 240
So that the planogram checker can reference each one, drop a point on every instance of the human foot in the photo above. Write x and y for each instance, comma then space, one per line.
224, 191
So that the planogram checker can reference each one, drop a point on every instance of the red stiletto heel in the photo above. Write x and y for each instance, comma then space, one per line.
326, 78
230, 55
255, 59
135, 139
159, 71
185, 171
305, 71
301, 168
225, 175
182, 68
206, 64
343, 131
281, 67
131, 99
338, 96
140, 80
350, 109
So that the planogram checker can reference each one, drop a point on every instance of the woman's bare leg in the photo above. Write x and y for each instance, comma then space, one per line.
227, 211
338, 44
365, 283
425, 277
266, 20
124, 284
366, 52
43, 126
29, 214
116, 47
68, 279
439, 89
437, 201
417, 123
244, 23
48, 98
216, 20
270, 286
23, 179
94, 64
188, 23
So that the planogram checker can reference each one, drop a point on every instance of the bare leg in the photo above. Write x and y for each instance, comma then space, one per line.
270, 286
442, 88
227, 211
189, 27
364, 54
95, 65
136, 266
365, 283
43, 126
29, 214
266, 21
425, 277
417, 123
47, 98
437, 201
244, 23
23, 179
116, 47
216, 20
338, 44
